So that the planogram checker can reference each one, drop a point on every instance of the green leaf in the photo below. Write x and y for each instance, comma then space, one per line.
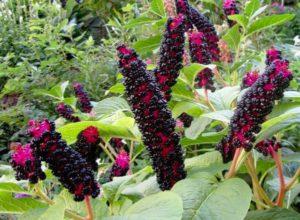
258, 12
233, 37
192, 108
147, 45
161, 206
138, 21
8, 204
223, 115
55, 211
70, 131
182, 91
118, 88
12, 187
157, 7
198, 125
205, 138
227, 200
293, 95
273, 214
251, 7
274, 125
269, 21
190, 72
240, 19
203, 160
110, 106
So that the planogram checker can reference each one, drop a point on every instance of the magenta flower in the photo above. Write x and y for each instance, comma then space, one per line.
121, 165
272, 54
230, 8
249, 79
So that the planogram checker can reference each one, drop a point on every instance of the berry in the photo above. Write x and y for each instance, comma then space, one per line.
66, 112
87, 145
153, 118
198, 51
255, 105
230, 8
186, 119
68, 165
171, 55
266, 147
83, 98
26, 164
249, 79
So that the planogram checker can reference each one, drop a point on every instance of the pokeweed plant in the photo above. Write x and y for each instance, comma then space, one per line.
212, 126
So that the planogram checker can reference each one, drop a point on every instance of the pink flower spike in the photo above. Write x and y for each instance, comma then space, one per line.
123, 159
37, 129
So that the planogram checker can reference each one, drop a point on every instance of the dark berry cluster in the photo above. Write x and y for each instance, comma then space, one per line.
253, 108
230, 8
268, 147
83, 98
153, 118
26, 164
66, 112
186, 119
272, 54
198, 51
121, 165
68, 165
249, 79
87, 145
171, 55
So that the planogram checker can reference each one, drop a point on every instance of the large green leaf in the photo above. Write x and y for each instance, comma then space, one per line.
203, 160
9, 204
55, 211
111, 105
160, 206
204, 138
227, 200
11, 187
251, 7
274, 125
233, 37
138, 21
273, 214
147, 45
190, 72
268, 21
223, 115
70, 131
182, 91
240, 19
192, 108
197, 127
157, 7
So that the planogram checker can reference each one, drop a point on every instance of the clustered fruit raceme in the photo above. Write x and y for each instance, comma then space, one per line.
230, 8
268, 147
209, 40
249, 79
186, 119
198, 51
66, 112
153, 118
171, 55
87, 145
68, 165
254, 106
83, 98
26, 164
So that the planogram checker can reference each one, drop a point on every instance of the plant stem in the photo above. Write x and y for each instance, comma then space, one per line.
232, 170
89, 208
44, 197
218, 76
251, 169
208, 101
293, 180
111, 149
278, 163
107, 152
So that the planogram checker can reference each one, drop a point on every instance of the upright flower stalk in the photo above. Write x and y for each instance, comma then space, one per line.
253, 108
72, 170
153, 118
171, 55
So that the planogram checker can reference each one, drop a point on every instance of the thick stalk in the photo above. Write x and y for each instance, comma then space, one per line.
278, 163
232, 169
89, 208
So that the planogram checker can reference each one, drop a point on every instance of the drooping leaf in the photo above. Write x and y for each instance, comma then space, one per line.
192, 108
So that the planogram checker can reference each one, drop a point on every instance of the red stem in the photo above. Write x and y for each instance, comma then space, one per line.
89, 208
278, 162
232, 168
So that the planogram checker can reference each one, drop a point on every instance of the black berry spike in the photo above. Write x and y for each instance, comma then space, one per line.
171, 55
71, 169
253, 108
83, 98
268, 146
230, 8
66, 112
153, 117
